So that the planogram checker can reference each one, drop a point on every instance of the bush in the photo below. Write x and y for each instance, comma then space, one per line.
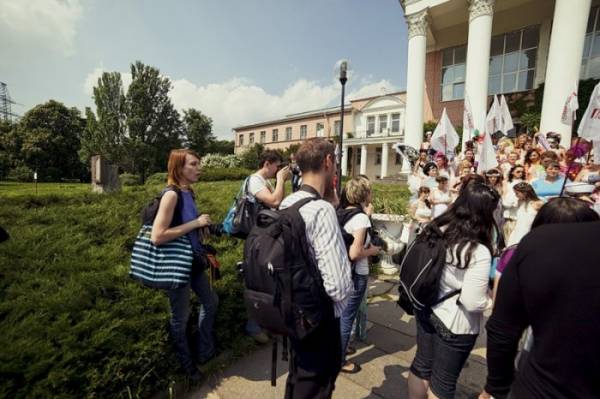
250, 157
211, 161
21, 173
127, 179
207, 174
73, 323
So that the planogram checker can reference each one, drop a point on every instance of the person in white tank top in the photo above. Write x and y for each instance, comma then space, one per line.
440, 197
529, 204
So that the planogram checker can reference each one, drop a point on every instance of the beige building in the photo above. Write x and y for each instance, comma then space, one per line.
371, 126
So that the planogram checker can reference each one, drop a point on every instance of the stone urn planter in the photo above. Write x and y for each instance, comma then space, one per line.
390, 228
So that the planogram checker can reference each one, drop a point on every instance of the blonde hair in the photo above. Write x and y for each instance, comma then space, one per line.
176, 164
358, 190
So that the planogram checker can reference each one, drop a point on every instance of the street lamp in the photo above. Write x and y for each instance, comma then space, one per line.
343, 77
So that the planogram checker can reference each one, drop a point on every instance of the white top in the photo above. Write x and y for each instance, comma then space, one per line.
438, 195
510, 202
525, 215
256, 183
422, 211
463, 313
326, 246
357, 222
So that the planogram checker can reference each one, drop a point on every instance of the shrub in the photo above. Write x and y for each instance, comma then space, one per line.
127, 179
250, 157
221, 161
207, 174
21, 173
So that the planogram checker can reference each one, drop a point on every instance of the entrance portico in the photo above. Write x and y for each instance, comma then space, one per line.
373, 157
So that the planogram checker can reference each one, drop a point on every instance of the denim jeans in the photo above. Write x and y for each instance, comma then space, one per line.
360, 331
349, 314
179, 300
440, 359
252, 327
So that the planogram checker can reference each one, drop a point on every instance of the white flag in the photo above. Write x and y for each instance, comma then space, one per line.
468, 122
487, 155
445, 139
492, 121
589, 127
571, 105
507, 123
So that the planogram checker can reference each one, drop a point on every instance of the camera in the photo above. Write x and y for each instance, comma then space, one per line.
377, 241
215, 229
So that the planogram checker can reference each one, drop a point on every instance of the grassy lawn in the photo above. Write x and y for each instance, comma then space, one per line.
73, 324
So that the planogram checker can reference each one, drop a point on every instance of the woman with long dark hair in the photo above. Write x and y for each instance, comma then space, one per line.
446, 336
529, 204
510, 202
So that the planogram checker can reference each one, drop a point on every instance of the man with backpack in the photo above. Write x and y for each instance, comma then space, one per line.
297, 275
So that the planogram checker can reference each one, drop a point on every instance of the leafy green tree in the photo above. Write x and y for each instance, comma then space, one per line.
250, 157
50, 140
223, 147
198, 130
153, 124
105, 135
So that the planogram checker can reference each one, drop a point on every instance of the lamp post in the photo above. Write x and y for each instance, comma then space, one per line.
343, 77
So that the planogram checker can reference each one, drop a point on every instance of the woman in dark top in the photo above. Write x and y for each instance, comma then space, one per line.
560, 303
184, 170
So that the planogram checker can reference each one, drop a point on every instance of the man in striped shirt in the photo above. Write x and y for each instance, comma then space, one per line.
317, 359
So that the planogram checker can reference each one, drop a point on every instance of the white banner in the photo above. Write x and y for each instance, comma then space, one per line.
445, 139
589, 128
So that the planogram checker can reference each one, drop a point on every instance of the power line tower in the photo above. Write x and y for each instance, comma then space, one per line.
6, 102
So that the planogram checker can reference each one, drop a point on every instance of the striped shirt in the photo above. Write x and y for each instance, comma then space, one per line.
326, 246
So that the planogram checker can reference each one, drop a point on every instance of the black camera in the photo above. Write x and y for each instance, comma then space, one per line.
215, 229
377, 241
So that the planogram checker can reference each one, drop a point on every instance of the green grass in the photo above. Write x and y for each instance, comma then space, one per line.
73, 324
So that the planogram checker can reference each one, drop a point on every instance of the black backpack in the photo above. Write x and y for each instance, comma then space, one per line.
421, 270
284, 290
344, 215
150, 211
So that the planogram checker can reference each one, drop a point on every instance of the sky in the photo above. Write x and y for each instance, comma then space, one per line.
237, 61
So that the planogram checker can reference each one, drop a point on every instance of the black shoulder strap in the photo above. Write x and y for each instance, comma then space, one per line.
311, 190
344, 215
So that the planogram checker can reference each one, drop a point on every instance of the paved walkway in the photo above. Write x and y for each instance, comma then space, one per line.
385, 361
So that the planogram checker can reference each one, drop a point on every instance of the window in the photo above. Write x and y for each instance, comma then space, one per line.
396, 123
398, 159
590, 63
383, 123
241, 140
288, 133
453, 73
263, 136
370, 125
377, 156
275, 135
251, 138
320, 129
336, 127
513, 60
302, 132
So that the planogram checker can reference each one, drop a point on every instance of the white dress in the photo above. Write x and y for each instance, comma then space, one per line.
438, 209
525, 215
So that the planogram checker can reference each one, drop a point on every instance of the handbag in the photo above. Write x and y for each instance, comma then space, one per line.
241, 217
167, 266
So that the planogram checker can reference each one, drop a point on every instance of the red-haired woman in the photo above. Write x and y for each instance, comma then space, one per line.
184, 170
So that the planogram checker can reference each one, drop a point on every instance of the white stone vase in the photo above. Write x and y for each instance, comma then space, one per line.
390, 229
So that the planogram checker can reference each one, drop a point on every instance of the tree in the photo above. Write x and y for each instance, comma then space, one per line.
106, 134
223, 147
198, 130
153, 123
49, 138
250, 158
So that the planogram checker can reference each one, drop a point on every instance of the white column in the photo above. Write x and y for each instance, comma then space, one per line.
415, 78
564, 63
385, 155
344, 165
481, 13
363, 159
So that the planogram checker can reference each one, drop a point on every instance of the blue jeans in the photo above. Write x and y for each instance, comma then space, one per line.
179, 300
440, 359
349, 314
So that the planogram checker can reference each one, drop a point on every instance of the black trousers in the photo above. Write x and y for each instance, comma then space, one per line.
315, 363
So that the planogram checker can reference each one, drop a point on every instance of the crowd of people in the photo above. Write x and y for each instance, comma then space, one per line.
485, 218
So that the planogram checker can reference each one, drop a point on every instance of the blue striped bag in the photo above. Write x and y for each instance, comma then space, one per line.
166, 266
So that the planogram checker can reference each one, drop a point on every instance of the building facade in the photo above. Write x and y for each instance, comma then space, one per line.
472, 49
371, 126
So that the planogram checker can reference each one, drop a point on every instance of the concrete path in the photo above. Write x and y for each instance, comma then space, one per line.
385, 361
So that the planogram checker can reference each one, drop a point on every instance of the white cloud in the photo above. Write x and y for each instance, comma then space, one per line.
239, 101
47, 23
